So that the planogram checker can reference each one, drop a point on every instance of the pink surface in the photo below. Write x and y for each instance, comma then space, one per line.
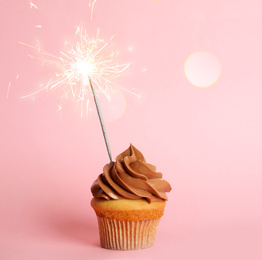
206, 141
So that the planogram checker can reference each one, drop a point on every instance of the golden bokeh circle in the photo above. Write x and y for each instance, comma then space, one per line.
202, 69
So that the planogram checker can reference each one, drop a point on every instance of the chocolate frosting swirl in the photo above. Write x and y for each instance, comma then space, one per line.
130, 177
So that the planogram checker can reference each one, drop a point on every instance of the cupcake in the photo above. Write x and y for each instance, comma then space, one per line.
129, 201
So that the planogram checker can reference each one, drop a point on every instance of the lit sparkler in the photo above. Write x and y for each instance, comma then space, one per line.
87, 58
86, 68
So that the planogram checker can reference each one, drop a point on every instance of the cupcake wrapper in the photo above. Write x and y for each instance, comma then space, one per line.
127, 235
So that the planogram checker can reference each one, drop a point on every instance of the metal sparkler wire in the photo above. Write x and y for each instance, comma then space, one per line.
100, 118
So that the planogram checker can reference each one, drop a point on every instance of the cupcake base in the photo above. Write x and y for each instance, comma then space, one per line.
127, 235
127, 224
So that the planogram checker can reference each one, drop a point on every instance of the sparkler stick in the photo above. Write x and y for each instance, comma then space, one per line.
100, 118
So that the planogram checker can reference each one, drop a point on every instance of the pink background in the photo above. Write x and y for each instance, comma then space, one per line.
206, 141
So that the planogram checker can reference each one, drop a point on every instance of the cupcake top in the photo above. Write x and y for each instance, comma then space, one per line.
130, 177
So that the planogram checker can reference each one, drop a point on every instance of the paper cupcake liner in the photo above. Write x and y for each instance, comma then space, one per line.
127, 235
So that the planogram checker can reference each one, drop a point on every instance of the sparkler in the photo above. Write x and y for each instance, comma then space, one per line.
87, 67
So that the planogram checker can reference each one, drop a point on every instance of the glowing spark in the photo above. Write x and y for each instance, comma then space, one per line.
32, 5
38, 26
131, 49
59, 108
38, 46
92, 7
9, 86
8, 90
87, 58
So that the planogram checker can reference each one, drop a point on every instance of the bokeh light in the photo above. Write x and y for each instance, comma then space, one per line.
114, 108
202, 69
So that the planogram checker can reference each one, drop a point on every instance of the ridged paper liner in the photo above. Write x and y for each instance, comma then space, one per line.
127, 235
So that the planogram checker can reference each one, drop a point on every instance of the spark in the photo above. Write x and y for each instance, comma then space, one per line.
8, 90
9, 86
131, 48
38, 26
91, 5
32, 5
85, 59
59, 107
